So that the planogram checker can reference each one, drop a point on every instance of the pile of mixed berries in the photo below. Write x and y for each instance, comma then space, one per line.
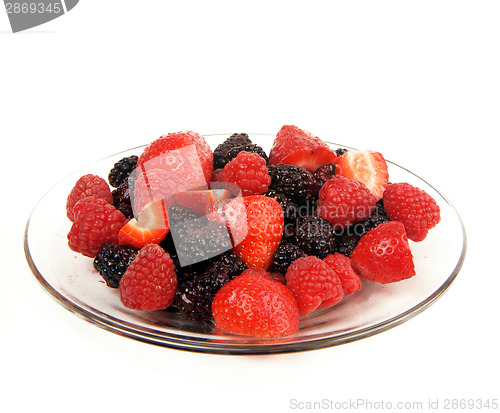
250, 240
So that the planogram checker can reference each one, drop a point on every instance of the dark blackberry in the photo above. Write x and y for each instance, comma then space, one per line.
284, 256
204, 243
315, 236
341, 151
294, 181
121, 170
112, 261
228, 262
220, 152
345, 243
121, 200
290, 208
324, 173
233, 152
194, 298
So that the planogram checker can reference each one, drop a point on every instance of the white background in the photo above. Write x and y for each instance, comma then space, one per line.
417, 81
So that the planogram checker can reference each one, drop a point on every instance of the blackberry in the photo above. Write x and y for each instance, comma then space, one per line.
229, 263
204, 243
294, 181
112, 261
220, 153
290, 208
233, 152
345, 243
341, 151
121, 200
315, 236
284, 256
324, 173
121, 170
194, 298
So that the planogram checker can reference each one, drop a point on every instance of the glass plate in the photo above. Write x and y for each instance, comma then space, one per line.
72, 281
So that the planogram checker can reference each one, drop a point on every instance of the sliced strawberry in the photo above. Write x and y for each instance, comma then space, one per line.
383, 254
150, 227
202, 201
295, 146
366, 166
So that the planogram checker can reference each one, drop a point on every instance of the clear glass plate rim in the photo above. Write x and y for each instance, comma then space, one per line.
201, 344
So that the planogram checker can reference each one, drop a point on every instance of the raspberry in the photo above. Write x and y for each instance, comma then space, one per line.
194, 297
344, 202
149, 283
248, 170
121, 170
314, 284
284, 256
221, 152
412, 206
112, 261
255, 305
351, 282
96, 222
314, 235
217, 175
294, 181
87, 185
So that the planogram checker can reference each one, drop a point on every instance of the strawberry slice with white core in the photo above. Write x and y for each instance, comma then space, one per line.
150, 226
202, 201
365, 166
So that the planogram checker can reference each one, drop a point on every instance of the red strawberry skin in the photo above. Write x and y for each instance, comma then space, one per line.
412, 206
150, 281
255, 305
262, 230
295, 146
365, 166
383, 254
177, 140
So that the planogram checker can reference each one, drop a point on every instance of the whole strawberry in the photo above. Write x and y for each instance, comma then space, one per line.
314, 284
341, 264
255, 305
150, 282
412, 206
344, 202
249, 171
383, 254
96, 222
295, 146
260, 231
176, 141
87, 185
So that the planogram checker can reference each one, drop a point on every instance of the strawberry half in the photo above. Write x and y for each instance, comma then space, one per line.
383, 254
365, 166
264, 229
295, 146
150, 226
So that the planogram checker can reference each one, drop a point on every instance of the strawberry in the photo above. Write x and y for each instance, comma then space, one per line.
295, 146
202, 201
263, 229
365, 166
183, 163
150, 227
383, 254
255, 305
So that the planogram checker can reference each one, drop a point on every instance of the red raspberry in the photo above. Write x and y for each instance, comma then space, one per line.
87, 185
314, 284
255, 305
351, 282
249, 171
96, 223
150, 282
344, 202
217, 175
412, 206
